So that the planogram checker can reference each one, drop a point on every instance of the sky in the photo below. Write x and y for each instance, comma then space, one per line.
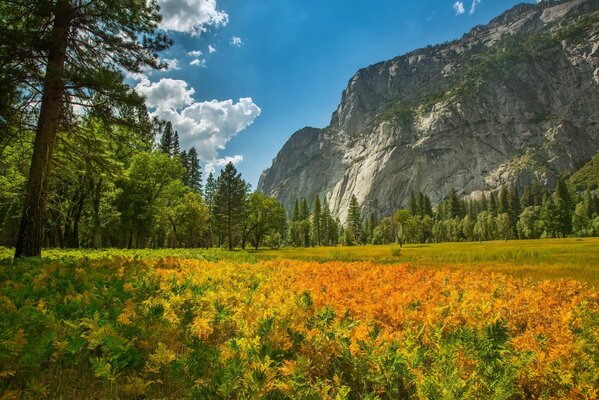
245, 75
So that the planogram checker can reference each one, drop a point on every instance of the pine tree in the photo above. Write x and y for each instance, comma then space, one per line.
317, 222
194, 173
565, 207
455, 206
230, 203
175, 148
484, 203
354, 220
503, 205
493, 204
210, 197
304, 215
185, 162
527, 199
428, 207
413, 205
166, 139
329, 231
68, 51
514, 210
549, 216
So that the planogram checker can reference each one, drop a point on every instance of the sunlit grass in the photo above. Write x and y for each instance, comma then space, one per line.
576, 258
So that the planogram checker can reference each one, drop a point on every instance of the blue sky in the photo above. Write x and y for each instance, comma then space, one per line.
292, 58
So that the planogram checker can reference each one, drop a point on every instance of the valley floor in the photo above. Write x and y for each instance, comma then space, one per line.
370, 322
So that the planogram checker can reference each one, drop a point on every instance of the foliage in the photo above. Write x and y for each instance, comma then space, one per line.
176, 328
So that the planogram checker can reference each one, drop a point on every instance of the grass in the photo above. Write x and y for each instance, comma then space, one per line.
573, 258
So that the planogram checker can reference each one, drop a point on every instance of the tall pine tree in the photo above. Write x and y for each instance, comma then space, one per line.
229, 202
69, 52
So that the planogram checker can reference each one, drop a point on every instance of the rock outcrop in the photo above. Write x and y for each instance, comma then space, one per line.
511, 101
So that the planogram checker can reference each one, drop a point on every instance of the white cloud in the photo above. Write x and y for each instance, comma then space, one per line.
195, 53
200, 62
211, 49
458, 7
171, 63
475, 4
221, 162
207, 125
191, 16
236, 41
165, 94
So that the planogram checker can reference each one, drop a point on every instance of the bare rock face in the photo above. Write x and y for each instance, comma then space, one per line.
512, 101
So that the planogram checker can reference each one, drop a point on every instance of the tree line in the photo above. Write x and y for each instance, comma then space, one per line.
503, 215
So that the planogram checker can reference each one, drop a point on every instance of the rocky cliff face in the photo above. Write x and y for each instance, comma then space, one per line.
510, 101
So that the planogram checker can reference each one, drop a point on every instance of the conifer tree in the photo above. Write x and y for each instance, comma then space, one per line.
194, 173
354, 220
455, 205
230, 198
503, 204
565, 207
185, 162
70, 52
210, 197
549, 216
493, 204
413, 205
317, 222
175, 148
514, 210
166, 139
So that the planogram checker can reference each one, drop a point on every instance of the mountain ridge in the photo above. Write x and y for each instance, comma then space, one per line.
510, 101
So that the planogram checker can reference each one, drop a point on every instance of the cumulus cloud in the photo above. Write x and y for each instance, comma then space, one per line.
206, 125
166, 93
475, 4
191, 16
221, 162
458, 7
171, 63
195, 53
211, 49
199, 62
236, 41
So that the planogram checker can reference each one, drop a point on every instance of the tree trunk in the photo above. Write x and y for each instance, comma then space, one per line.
29, 241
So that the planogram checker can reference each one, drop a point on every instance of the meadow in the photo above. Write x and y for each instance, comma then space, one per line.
571, 258
369, 322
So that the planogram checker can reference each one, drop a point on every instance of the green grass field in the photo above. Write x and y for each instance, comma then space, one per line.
575, 258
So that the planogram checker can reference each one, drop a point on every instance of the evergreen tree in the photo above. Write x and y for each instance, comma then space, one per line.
317, 222
428, 207
210, 197
565, 207
503, 205
514, 210
175, 148
493, 204
456, 209
166, 139
484, 203
304, 215
194, 174
185, 162
527, 199
549, 216
354, 220
413, 205
68, 51
229, 202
